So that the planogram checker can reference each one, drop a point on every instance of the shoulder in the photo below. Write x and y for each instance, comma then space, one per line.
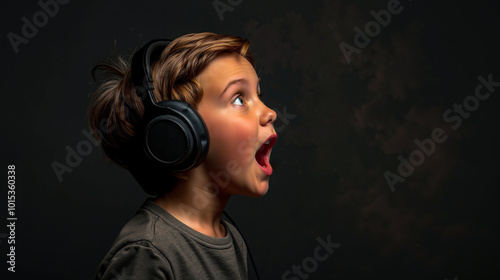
134, 252
150, 223
135, 260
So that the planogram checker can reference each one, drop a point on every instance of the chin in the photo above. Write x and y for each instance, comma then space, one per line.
259, 191
251, 191
256, 194
261, 194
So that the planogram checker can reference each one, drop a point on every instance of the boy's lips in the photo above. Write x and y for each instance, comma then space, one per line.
262, 155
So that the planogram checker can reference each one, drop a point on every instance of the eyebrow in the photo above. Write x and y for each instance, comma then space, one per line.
243, 81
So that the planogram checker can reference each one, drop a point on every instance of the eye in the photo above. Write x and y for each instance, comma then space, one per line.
239, 101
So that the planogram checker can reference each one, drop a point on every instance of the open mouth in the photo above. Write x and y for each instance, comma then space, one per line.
262, 155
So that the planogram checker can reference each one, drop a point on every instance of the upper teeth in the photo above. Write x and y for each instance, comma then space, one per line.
267, 142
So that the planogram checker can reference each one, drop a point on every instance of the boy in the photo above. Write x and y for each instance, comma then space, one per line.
178, 233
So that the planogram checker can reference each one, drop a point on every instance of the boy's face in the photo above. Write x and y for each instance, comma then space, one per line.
239, 124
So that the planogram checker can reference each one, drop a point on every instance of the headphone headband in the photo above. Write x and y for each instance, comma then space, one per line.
142, 74
173, 133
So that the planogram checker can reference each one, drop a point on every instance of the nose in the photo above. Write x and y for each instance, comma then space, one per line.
268, 116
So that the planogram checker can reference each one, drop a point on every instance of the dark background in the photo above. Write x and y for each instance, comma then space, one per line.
347, 124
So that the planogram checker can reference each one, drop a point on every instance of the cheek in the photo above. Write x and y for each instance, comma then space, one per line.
232, 140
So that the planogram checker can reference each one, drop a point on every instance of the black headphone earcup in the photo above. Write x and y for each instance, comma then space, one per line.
176, 137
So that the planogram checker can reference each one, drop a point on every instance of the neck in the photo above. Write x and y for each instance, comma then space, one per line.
196, 204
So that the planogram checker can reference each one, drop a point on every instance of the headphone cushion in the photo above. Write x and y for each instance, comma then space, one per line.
177, 135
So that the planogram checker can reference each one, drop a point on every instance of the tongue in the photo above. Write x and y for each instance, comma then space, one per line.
261, 157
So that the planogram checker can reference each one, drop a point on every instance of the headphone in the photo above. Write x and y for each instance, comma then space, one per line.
173, 134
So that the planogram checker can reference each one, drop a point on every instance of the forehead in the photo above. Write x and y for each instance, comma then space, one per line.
227, 67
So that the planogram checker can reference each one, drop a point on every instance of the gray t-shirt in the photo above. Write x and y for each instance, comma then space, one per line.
155, 245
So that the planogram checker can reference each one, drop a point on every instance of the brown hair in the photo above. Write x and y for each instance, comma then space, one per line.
115, 110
